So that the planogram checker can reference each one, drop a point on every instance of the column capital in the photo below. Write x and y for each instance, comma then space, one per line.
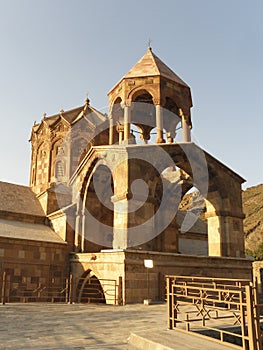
120, 128
124, 104
157, 101
186, 117
180, 112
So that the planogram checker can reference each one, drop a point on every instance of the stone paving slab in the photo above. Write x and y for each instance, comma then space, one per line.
74, 327
42, 326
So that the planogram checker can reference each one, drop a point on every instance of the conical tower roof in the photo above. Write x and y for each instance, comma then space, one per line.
151, 65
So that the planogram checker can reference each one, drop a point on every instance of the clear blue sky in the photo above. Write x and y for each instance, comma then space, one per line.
55, 51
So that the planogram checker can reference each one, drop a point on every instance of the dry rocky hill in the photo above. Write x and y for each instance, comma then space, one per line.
253, 223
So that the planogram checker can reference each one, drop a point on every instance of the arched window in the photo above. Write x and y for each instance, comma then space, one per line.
60, 170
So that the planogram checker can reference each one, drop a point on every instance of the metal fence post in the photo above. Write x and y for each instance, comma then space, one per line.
170, 311
120, 290
3, 288
257, 314
67, 291
250, 319
71, 286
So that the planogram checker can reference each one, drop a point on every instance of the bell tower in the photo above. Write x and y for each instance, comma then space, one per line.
149, 96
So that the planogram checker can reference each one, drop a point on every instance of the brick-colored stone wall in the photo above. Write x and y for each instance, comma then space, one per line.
31, 263
104, 265
129, 264
175, 264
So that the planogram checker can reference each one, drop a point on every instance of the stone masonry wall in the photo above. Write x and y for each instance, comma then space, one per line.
130, 266
29, 264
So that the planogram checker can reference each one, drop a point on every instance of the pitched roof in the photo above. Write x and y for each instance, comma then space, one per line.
92, 115
69, 116
151, 65
73, 115
19, 199
28, 231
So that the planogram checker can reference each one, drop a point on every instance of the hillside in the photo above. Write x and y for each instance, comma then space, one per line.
253, 223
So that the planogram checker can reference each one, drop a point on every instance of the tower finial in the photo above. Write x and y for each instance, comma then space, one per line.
87, 101
149, 43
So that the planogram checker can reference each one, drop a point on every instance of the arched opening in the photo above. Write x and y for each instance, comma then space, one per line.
117, 120
59, 170
137, 134
57, 167
117, 111
212, 217
190, 217
171, 119
89, 289
183, 213
98, 211
143, 114
167, 195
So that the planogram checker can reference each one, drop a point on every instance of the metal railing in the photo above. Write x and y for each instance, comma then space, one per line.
26, 292
225, 309
72, 290
92, 290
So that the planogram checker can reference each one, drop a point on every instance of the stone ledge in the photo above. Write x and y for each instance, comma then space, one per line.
170, 340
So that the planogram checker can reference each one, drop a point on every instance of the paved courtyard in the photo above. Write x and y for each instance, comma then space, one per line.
42, 326
77, 326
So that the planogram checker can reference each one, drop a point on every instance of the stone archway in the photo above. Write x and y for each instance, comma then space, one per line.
222, 195
97, 210
135, 219
89, 289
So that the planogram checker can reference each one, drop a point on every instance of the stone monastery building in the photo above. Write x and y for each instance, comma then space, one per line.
105, 193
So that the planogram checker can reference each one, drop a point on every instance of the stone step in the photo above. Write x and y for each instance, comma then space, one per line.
171, 340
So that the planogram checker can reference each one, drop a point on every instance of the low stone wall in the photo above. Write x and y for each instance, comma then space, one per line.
129, 264
28, 264
176, 264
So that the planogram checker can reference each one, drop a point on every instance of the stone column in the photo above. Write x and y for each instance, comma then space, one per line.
120, 130
120, 229
133, 221
127, 115
170, 136
225, 235
185, 127
83, 233
133, 209
159, 124
78, 230
216, 235
111, 129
